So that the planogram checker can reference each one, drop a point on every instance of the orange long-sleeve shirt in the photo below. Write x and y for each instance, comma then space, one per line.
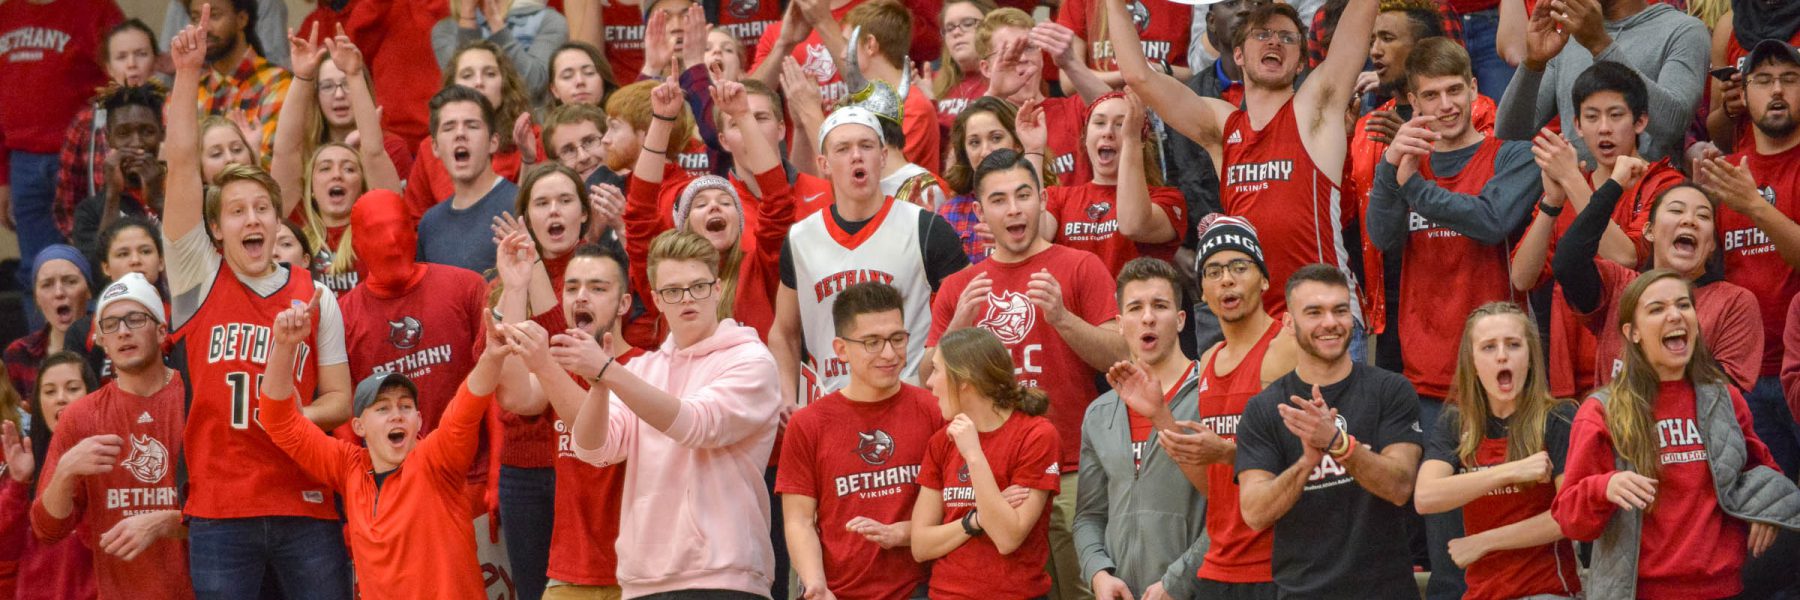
410, 537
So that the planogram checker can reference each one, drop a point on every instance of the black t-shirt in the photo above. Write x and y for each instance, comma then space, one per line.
1446, 435
1339, 540
939, 246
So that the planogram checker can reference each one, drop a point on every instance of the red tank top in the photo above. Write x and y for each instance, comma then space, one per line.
1298, 212
1449, 273
234, 470
1238, 554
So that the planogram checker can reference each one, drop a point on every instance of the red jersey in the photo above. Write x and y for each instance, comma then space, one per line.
1689, 548
622, 24
919, 123
1141, 425
587, 510
431, 335
957, 98
1021, 452
1449, 273
1087, 218
1064, 120
747, 20
234, 470
861, 459
1728, 322
429, 182
1271, 181
1750, 256
1045, 360
1238, 554
143, 482
1162, 27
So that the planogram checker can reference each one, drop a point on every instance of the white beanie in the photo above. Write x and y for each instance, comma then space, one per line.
849, 115
133, 287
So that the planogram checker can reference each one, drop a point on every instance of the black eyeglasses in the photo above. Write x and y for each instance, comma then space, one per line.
874, 344
1238, 268
954, 26
699, 291
136, 320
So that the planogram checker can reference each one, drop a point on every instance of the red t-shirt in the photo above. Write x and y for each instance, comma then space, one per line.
1750, 256
812, 55
1271, 180
1689, 548
1238, 554
1728, 322
144, 481
957, 98
1087, 218
1021, 452
861, 459
234, 470
588, 500
623, 28
748, 19
919, 122
47, 59
430, 335
1450, 273
1064, 119
1045, 360
1141, 425
1520, 572
1162, 26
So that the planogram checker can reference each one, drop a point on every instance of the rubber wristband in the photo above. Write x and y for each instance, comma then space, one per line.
662, 118
306, 79
641, 148
1348, 450
596, 379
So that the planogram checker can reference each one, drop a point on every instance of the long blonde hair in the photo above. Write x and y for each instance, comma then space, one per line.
974, 356
343, 257
1525, 427
1629, 411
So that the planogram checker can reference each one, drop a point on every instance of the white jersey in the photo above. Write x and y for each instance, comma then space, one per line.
827, 260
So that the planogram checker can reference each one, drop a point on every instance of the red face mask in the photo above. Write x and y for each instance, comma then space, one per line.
386, 243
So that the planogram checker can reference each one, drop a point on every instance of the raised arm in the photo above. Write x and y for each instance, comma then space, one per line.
1200, 119
804, 114
287, 165
184, 191
1573, 262
1139, 219
1522, 109
665, 105
794, 30
1060, 43
378, 168
1319, 104
1509, 35
758, 154
1726, 103
320, 456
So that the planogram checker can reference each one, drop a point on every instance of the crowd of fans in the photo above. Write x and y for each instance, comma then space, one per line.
1089, 299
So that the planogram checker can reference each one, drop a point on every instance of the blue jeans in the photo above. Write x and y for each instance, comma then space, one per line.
527, 515
33, 190
1446, 582
228, 558
1492, 74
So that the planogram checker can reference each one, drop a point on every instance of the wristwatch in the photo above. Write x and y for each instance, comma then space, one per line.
1547, 209
969, 527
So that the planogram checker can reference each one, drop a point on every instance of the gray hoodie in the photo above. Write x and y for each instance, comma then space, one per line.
1670, 49
1147, 524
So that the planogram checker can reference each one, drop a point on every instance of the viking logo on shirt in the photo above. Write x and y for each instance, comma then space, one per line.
1010, 316
1140, 15
874, 447
818, 64
962, 474
1098, 210
404, 333
741, 9
149, 459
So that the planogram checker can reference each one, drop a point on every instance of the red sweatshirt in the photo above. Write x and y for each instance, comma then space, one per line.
1790, 364
395, 39
48, 60
62, 570
1690, 548
411, 536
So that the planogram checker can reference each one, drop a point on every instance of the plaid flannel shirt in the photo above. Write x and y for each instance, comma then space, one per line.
256, 86
961, 212
84, 148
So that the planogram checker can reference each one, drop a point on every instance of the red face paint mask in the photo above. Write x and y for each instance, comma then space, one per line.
386, 243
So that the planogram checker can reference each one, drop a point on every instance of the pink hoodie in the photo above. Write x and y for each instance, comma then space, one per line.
696, 511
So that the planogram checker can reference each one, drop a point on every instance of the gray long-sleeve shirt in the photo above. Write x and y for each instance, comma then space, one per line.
1145, 523
531, 36
1670, 49
1502, 207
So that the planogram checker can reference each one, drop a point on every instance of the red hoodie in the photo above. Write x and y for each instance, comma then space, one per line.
395, 39
1690, 548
